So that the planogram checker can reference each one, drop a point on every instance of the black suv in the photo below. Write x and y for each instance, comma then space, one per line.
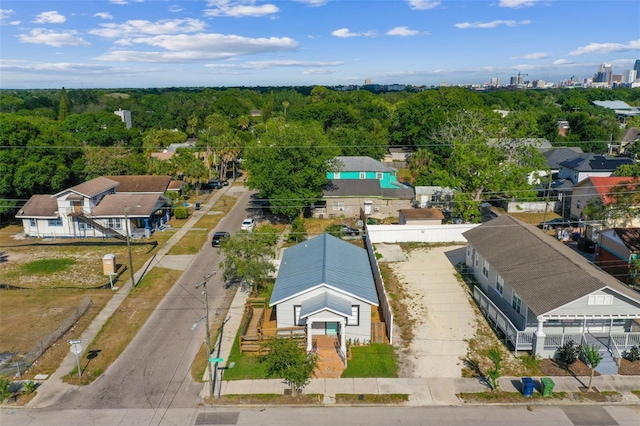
218, 238
214, 184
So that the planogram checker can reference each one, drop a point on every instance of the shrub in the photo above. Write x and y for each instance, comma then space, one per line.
298, 231
495, 356
181, 212
569, 353
632, 354
28, 387
5, 389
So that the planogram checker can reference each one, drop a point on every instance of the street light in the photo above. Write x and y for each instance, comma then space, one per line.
206, 318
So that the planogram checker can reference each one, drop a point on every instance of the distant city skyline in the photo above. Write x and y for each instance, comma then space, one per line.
166, 43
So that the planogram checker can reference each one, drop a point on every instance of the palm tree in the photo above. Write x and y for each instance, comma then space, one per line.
592, 358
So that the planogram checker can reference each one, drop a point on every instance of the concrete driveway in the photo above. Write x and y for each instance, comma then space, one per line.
443, 316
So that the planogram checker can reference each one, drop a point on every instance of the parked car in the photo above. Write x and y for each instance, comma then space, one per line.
348, 230
215, 184
558, 222
248, 224
225, 182
218, 238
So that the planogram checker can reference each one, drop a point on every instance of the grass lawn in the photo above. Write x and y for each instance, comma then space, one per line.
371, 398
47, 266
374, 360
191, 243
247, 367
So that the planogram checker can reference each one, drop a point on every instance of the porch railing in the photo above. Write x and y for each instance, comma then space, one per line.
521, 340
625, 340
554, 341
341, 354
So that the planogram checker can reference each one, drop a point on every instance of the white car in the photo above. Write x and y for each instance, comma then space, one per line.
248, 225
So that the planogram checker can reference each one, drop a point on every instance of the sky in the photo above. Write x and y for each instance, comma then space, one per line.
215, 43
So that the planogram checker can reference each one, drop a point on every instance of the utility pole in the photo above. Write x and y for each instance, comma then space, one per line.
126, 225
215, 376
203, 284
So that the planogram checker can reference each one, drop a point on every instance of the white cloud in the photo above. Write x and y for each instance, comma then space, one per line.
199, 47
5, 13
536, 55
402, 31
53, 38
561, 62
288, 63
103, 15
51, 17
492, 24
313, 3
423, 4
44, 67
514, 4
175, 9
118, 1
239, 9
346, 33
323, 71
135, 28
606, 48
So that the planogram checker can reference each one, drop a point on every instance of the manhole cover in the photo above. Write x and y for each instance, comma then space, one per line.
217, 418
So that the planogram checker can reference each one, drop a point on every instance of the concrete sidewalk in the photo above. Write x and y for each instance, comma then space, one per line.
430, 391
54, 384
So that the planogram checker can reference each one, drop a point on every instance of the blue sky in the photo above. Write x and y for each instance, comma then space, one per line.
158, 43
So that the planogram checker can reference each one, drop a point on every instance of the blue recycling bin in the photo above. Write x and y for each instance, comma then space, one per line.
528, 385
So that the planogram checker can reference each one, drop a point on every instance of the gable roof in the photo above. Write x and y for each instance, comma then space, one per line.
362, 164
604, 185
593, 162
363, 188
325, 301
137, 205
92, 187
630, 135
543, 272
44, 206
324, 261
555, 156
141, 183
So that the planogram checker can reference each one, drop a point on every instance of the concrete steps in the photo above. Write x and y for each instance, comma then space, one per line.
608, 364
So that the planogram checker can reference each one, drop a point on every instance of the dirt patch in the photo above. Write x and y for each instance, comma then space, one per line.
550, 367
628, 368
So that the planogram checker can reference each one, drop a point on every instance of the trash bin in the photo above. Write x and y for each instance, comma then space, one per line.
109, 264
528, 386
547, 386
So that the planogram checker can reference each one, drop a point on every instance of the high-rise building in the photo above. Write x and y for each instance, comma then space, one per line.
125, 116
629, 76
495, 81
604, 74
636, 67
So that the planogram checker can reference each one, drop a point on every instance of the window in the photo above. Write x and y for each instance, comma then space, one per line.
485, 268
296, 314
32, 222
354, 319
379, 175
600, 299
83, 225
336, 175
337, 205
55, 222
363, 175
469, 251
114, 223
516, 302
476, 260
499, 285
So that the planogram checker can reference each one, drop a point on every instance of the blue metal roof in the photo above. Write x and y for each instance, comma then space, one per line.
329, 301
324, 261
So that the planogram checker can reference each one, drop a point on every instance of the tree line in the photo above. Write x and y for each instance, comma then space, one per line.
52, 139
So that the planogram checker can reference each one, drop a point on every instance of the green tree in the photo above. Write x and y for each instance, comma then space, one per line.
287, 360
495, 356
154, 140
113, 160
288, 165
247, 259
298, 231
190, 167
631, 170
592, 358
63, 108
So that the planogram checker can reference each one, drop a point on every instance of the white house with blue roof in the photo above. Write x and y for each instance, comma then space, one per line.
326, 284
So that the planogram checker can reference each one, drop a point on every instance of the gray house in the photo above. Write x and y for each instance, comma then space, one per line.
326, 285
540, 293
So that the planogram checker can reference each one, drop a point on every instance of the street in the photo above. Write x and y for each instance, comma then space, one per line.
154, 371
569, 415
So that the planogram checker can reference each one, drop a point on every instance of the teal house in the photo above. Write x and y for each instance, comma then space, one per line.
361, 168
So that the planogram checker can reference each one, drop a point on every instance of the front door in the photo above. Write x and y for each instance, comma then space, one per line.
331, 328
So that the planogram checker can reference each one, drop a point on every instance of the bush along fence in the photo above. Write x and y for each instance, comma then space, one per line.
19, 362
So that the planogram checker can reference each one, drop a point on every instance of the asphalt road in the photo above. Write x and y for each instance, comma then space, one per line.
154, 370
494, 415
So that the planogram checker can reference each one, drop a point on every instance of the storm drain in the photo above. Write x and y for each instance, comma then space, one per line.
589, 416
217, 418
